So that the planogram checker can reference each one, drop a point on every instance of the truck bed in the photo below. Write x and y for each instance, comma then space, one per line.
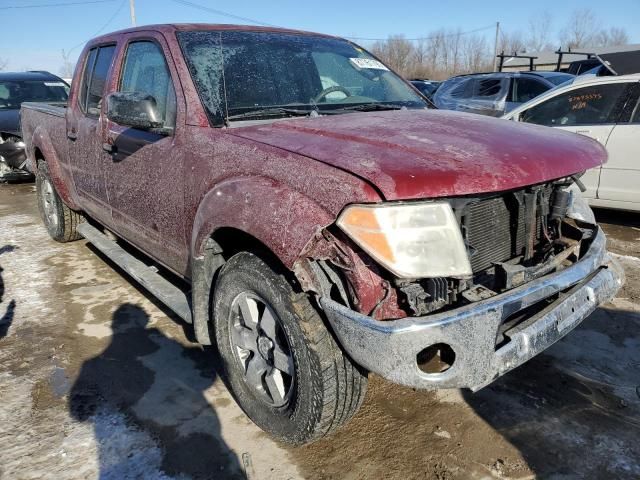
48, 119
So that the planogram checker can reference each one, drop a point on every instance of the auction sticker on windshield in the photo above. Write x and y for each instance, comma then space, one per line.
367, 63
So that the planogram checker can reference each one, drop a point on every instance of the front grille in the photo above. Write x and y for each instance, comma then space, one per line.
494, 229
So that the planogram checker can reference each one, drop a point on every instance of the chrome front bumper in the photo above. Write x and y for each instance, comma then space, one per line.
390, 348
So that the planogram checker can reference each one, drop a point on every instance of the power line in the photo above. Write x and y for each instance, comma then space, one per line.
455, 34
108, 22
45, 5
222, 13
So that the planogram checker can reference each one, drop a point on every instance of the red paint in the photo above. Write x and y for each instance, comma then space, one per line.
285, 181
434, 153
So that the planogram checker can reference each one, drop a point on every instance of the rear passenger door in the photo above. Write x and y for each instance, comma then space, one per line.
591, 110
620, 177
84, 123
144, 168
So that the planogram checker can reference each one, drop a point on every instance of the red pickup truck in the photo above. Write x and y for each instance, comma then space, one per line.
325, 221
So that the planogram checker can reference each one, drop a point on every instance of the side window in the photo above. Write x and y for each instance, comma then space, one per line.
592, 105
146, 71
488, 87
95, 79
527, 89
86, 77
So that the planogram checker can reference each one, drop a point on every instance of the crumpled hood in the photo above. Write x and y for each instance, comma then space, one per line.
410, 154
10, 121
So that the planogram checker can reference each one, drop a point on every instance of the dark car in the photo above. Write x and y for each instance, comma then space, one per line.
426, 87
16, 88
495, 94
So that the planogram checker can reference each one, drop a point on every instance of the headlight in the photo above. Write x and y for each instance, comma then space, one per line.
410, 240
580, 209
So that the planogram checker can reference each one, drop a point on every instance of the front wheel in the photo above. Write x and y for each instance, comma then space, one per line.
281, 363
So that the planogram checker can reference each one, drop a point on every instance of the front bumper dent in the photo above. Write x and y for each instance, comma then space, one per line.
390, 348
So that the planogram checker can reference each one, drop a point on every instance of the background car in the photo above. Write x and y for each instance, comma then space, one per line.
426, 87
16, 88
606, 109
497, 93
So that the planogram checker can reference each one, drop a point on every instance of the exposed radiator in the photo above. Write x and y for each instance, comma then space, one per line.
495, 230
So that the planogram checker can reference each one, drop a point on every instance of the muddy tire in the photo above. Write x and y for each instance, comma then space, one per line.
61, 222
280, 362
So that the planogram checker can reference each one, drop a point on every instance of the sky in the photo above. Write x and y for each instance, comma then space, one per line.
33, 38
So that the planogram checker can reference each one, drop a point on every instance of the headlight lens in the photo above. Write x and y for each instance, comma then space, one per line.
411, 240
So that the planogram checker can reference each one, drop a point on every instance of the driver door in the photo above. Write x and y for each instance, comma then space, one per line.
144, 168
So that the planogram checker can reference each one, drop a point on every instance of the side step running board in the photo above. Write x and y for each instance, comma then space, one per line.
161, 288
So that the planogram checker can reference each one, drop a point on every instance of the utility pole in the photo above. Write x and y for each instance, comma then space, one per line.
495, 47
132, 11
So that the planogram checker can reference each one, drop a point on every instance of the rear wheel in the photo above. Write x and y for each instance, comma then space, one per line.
61, 222
281, 363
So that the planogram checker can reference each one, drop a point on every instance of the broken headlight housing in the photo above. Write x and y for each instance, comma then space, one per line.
411, 240
579, 208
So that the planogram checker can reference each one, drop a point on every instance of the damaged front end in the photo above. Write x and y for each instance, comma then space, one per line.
537, 266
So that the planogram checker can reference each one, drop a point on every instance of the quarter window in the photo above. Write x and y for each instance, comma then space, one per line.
95, 79
145, 71
593, 105
526, 89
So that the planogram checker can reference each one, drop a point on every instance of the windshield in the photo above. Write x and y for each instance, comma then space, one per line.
13, 93
242, 75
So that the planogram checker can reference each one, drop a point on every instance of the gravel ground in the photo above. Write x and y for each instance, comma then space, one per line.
97, 380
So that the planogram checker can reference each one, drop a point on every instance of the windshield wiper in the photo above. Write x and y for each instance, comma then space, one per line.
368, 107
270, 112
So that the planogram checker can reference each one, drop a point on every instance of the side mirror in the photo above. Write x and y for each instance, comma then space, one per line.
134, 109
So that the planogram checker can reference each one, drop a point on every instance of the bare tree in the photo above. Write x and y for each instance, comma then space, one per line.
612, 37
66, 70
396, 51
512, 42
580, 30
539, 32
3, 63
475, 54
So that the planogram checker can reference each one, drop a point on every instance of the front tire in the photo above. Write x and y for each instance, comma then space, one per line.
281, 363
61, 222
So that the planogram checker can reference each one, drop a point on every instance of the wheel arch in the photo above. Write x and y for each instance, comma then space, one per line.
253, 214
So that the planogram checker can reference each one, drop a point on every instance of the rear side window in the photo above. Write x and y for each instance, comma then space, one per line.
525, 89
95, 79
145, 71
488, 87
592, 105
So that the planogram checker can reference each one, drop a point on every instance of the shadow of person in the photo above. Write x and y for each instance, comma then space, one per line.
144, 395
6, 318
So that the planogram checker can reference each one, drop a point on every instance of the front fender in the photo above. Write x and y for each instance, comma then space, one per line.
281, 218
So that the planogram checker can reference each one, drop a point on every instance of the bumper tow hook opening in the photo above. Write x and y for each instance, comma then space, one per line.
436, 358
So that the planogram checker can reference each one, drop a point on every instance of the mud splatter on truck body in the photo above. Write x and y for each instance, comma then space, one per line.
201, 189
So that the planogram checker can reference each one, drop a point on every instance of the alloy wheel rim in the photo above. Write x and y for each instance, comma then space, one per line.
48, 202
262, 349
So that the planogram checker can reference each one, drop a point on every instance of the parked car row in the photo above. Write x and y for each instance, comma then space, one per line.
497, 93
324, 219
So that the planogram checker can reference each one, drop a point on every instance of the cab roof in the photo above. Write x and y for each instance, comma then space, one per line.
214, 27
